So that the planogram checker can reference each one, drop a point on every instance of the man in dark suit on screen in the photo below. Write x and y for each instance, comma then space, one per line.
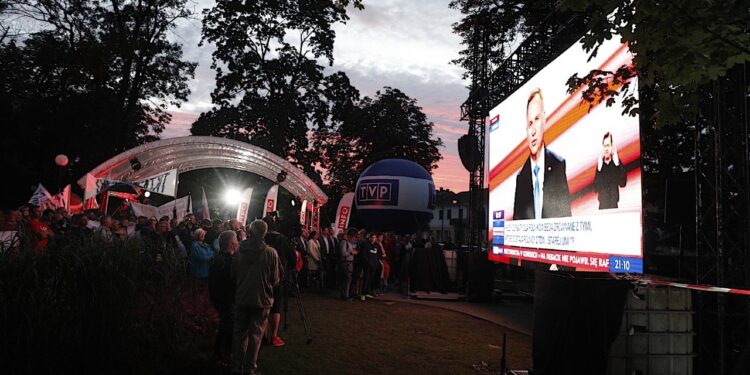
542, 185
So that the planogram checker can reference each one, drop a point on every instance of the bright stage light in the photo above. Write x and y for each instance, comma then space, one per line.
232, 196
147, 194
293, 203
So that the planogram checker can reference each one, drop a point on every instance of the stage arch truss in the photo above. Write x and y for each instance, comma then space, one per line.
198, 152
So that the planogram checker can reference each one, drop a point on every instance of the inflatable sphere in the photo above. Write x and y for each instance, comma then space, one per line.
61, 160
395, 195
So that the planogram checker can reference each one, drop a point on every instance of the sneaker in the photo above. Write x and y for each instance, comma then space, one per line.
277, 341
362, 297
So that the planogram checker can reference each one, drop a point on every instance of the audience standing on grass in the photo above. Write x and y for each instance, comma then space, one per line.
247, 278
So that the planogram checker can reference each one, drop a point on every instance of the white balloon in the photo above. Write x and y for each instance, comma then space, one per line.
61, 160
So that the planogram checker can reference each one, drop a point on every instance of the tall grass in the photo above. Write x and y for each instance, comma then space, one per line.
88, 306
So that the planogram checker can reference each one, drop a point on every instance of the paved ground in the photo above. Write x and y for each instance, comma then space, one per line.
513, 314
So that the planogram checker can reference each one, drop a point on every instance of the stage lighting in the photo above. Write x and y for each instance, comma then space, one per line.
147, 194
293, 202
232, 196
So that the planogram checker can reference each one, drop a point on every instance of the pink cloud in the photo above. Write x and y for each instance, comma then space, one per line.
450, 174
180, 125
449, 129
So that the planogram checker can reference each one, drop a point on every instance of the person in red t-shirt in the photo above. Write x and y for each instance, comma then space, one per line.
39, 230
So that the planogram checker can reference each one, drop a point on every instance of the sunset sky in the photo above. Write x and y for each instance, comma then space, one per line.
405, 44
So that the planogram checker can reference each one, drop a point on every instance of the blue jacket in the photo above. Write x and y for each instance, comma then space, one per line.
200, 254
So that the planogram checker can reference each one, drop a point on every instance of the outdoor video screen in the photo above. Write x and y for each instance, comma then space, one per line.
565, 174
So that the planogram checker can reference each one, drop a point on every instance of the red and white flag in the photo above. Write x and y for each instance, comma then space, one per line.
343, 213
271, 198
205, 214
244, 206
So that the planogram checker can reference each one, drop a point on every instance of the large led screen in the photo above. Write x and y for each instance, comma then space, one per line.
565, 173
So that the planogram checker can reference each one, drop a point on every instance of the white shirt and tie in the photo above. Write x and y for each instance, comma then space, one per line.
537, 181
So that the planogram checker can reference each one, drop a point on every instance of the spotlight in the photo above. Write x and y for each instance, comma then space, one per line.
293, 202
147, 194
135, 164
281, 177
232, 196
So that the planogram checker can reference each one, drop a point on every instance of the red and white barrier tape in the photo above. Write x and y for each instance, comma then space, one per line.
703, 288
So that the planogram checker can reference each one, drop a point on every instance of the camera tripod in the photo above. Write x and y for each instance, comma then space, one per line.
293, 282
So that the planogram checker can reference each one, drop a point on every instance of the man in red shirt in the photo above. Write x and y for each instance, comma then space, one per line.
39, 230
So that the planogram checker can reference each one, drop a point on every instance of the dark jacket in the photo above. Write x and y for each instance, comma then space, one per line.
556, 199
283, 248
607, 183
220, 283
256, 270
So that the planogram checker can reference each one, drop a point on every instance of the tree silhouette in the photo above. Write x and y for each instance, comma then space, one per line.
390, 125
270, 88
92, 79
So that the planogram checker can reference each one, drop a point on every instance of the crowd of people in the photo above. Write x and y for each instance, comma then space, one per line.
248, 270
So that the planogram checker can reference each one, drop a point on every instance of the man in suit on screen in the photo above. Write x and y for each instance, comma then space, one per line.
542, 185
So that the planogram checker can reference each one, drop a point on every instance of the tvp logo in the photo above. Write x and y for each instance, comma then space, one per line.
380, 192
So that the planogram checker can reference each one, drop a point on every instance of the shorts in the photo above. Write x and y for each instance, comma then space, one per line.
278, 296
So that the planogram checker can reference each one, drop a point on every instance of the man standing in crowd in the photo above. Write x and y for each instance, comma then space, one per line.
330, 256
221, 291
347, 254
255, 271
288, 260
371, 260
186, 230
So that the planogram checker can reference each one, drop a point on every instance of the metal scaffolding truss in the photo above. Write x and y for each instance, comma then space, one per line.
489, 88
722, 226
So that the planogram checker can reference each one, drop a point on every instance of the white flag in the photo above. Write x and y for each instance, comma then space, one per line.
271, 198
343, 213
41, 197
244, 206
91, 189
303, 213
205, 214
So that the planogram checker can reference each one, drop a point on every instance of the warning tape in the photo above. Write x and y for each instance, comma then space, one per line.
703, 288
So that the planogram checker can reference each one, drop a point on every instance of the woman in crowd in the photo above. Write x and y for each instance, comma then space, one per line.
200, 254
313, 259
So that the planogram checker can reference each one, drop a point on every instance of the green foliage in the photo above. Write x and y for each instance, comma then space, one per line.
88, 306
93, 78
270, 87
391, 125
679, 46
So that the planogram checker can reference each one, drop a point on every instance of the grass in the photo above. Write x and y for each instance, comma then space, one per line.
378, 337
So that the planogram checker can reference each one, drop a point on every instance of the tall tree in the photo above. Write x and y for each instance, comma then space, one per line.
270, 88
390, 125
679, 46
92, 79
